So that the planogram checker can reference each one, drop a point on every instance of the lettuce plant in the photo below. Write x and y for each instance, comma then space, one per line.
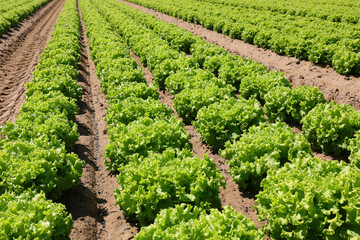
232, 71
291, 105
161, 181
190, 101
187, 222
132, 108
170, 66
258, 86
227, 120
37, 124
330, 126
193, 78
202, 50
50, 103
63, 84
311, 199
143, 136
131, 89
263, 147
41, 164
31, 216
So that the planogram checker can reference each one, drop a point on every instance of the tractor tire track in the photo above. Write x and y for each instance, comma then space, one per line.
20, 51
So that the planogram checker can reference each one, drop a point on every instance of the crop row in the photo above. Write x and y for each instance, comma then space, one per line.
14, 11
319, 41
266, 149
344, 11
9, 6
252, 80
36, 164
149, 147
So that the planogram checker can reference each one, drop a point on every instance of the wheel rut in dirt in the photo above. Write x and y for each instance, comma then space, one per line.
340, 88
20, 51
91, 202
241, 201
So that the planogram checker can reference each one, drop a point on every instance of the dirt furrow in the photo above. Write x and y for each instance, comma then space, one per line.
81, 201
20, 51
91, 203
342, 89
242, 202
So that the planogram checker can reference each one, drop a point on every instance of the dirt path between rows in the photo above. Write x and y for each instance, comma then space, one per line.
91, 202
242, 202
342, 89
20, 51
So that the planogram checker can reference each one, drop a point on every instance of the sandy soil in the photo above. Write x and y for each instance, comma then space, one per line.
243, 202
20, 51
92, 203
342, 89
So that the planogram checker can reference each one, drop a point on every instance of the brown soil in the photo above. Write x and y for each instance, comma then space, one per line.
342, 89
242, 202
91, 202
20, 51
81, 201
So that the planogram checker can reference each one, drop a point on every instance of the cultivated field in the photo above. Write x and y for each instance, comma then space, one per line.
196, 119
